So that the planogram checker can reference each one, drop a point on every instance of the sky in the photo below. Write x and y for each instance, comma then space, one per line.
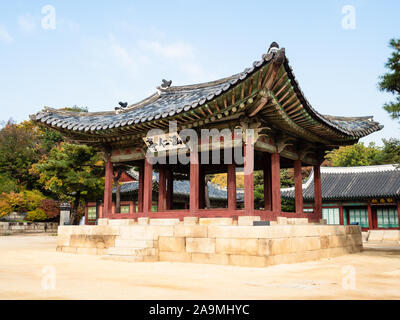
96, 53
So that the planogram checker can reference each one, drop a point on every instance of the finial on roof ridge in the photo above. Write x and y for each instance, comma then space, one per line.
166, 84
273, 47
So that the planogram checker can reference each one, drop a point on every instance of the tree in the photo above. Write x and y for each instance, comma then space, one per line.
20, 147
390, 81
390, 151
72, 171
354, 155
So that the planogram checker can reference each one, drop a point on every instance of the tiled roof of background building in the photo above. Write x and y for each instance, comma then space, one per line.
347, 183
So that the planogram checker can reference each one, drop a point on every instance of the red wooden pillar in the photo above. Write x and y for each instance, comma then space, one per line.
108, 184
276, 182
341, 214
370, 222
141, 188
194, 182
231, 187
398, 212
249, 178
147, 186
267, 182
317, 192
170, 189
202, 188
298, 187
162, 187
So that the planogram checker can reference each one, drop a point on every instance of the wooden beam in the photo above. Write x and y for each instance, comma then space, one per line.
108, 185
249, 177
148, 186
298, 186
170, 189
141, 187
162, 186
267, 181
194, 182
317, 192
231, 181
276, 182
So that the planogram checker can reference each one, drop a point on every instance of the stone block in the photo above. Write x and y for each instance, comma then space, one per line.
237, 246
216, 221
59, 248
63, 240
282, 220
69, 249
247, 260
143, 220
302, 230
375, 235
130, 243
213, 258
324, 242
92, 251
190, 230
121, 222
164, 222
301, 244
337, 241
190, 220
91, 241
280, 246
165, 231
200, 245
247, 220
171, 244
323, 221
102, 222
174, 256
264, 247
391, 235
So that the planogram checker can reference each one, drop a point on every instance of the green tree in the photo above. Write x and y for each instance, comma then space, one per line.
20, 147
72, 171
390, 152
354, 155
390, 81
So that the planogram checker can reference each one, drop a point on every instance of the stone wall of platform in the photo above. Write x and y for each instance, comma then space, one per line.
211, 240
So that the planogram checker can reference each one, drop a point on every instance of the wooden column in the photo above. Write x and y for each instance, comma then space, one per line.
398, 212
249, 178
341, 214
298, 187
108, 184
148, 187
202, 187
267, 182
370, 222
231, 177
317, 192
194, 182
162, 187
276, 182
141, 188
170, 189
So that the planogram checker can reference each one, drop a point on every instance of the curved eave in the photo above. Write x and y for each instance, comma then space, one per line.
286, 108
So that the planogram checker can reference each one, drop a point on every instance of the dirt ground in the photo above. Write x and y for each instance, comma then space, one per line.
30, 268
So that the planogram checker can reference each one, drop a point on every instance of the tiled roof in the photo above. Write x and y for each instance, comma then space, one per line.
169, 101
350, 183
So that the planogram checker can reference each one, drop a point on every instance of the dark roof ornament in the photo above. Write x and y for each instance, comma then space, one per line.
123, 105
273, 47
166, 84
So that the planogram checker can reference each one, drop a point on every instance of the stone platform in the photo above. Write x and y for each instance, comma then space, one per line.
211, 240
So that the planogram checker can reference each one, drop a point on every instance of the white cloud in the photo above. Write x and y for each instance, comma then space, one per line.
26, 22
5, 36
178, 50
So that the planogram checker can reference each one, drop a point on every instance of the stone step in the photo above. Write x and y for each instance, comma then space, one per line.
131, 251
133, 243
125, 258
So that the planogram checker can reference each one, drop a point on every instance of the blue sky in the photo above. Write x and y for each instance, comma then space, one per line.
103, 52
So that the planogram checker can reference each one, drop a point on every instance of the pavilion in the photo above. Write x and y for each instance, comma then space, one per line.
273, 125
